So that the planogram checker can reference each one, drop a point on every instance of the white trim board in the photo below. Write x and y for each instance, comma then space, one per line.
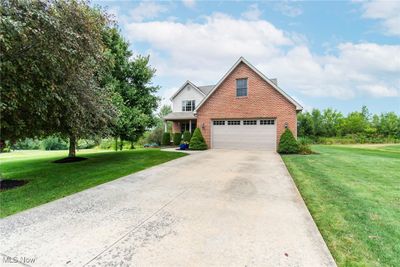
183, 86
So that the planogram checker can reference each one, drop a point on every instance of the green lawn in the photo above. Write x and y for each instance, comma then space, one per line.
353, 194
49, 181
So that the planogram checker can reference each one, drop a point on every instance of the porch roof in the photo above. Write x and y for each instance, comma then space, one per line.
184, 115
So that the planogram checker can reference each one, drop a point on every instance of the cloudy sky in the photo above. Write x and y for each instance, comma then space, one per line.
325, 54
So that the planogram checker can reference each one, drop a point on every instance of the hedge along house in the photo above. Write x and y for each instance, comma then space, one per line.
244, 110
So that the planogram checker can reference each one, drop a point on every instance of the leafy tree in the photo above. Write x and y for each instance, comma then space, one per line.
354, 123
156, 135
331, 120
197, 141
51, 54
304, 122
317, 123
365, 113
164, 111
361, 124
390, 124
130, 80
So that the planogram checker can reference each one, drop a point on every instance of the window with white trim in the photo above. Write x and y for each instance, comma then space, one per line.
233, 122
188, 105
250, 122
267, 122
219, 122
241, 87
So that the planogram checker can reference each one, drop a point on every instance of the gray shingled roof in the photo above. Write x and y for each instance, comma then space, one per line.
206, 89
184, 115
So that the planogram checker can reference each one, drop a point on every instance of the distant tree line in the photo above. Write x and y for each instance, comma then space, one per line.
67, 71
359, 125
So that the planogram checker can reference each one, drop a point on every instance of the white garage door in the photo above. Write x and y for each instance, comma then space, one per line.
244, 134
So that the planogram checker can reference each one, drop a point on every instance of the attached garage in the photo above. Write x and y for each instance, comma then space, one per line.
257, 134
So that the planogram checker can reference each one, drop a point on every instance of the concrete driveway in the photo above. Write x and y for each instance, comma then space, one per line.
216, 208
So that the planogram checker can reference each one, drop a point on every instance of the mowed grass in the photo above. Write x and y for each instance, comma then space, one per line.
353, 194
49, 181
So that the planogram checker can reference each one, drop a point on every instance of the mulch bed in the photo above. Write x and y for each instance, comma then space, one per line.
10, 184
70, 160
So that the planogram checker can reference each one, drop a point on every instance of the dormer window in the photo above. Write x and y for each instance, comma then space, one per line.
241, 87
188, 105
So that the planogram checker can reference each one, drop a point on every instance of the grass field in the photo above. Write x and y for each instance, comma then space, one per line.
353, 194
49, 181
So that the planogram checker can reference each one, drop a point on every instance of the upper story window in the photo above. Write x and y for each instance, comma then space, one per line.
188, 105
241, 87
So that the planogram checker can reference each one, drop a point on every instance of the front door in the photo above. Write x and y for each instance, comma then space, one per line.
185, 126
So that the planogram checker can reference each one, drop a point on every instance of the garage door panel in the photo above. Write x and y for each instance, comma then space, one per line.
258, 136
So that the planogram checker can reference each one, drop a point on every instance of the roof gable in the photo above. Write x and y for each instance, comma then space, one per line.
183, 87
273, 85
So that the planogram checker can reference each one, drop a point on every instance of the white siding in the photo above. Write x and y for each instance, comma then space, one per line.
187, 93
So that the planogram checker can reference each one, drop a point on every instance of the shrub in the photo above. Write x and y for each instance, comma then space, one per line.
54, 143
186, 136
86, 144
143, 139
177, 139
304, 146
107, 143
27, 143
156, 135
197, 141
166, 139
288, 144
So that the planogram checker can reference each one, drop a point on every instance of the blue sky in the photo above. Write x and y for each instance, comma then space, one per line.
325, 54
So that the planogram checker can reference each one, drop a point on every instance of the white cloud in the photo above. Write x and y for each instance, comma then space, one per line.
388, 12
203, 52
189, 3
146, 10
289, 9
252, 13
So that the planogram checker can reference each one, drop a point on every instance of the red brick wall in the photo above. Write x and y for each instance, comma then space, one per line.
176, 127
262, 101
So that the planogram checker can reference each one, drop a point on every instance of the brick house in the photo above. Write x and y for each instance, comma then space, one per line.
244, 110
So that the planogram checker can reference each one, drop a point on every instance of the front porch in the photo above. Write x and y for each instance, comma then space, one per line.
181, 122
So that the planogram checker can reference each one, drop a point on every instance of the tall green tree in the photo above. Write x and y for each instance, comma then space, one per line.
304, 122
354, 123
317, 123
52, 53
390, 124
164, 111
131, 83
331, 120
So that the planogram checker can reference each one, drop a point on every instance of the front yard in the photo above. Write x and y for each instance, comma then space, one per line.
49, 181
353, 194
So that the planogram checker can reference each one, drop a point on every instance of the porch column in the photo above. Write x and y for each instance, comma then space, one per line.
165, 127
190, 126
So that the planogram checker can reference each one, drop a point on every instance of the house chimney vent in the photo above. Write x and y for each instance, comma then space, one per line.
275, 81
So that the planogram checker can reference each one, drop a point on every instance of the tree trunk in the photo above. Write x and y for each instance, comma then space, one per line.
132, 145
116, 143
121, 144
72, 146
2, 145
